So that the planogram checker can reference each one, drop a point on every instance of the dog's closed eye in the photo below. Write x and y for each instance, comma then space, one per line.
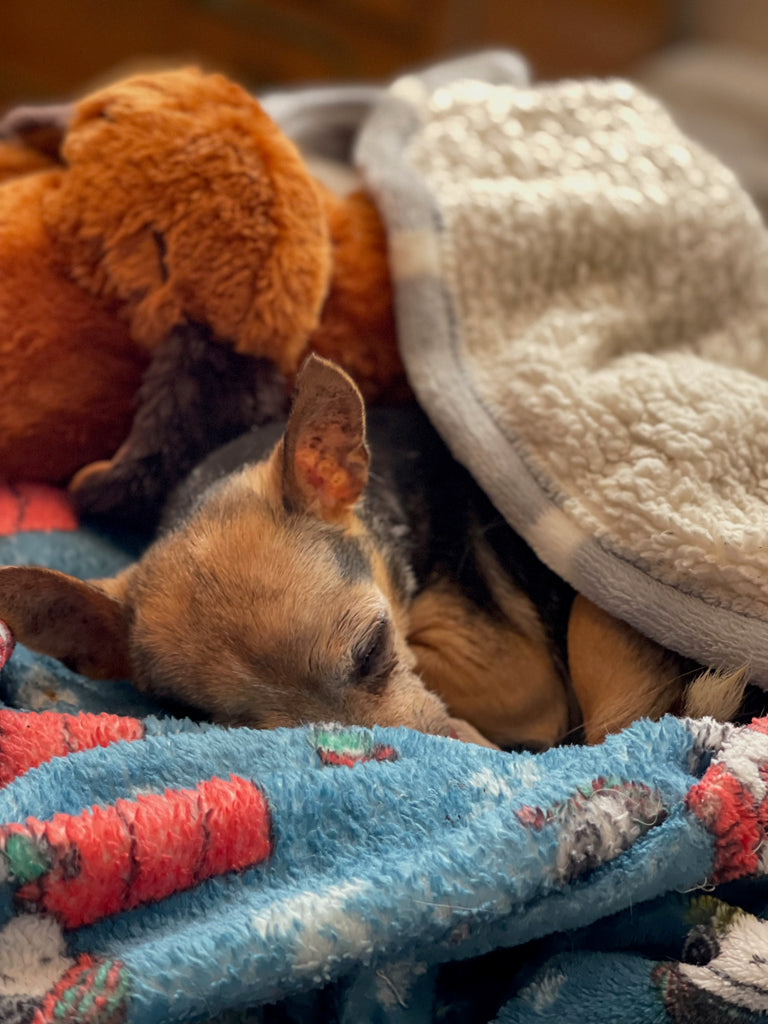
374, 657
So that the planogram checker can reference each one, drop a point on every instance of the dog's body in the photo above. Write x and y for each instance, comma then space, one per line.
475, 629
294, 582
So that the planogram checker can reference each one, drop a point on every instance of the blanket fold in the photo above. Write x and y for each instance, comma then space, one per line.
582, 298
194, 870
153, 869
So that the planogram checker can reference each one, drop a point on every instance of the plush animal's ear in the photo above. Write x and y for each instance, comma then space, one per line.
325, 457
77, 622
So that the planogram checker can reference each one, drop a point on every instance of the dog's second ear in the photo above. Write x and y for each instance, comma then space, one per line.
76, 622
325, 457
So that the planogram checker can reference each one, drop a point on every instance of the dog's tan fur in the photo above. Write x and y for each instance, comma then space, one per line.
618, 675
499, 674
273, 605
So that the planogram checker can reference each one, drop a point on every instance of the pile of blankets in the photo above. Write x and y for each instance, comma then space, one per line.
155, 869
582, 297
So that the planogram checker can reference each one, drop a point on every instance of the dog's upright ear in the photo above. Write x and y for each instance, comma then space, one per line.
325, 457
81, 624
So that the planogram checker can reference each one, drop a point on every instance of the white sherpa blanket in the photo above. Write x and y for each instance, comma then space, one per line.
582, 296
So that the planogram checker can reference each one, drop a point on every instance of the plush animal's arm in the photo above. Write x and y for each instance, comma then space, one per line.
196, 395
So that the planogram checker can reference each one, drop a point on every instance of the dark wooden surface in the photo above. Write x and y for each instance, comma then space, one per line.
61, 47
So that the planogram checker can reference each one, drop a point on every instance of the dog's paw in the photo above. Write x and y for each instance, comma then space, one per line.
461, 730
89, 475
127, 491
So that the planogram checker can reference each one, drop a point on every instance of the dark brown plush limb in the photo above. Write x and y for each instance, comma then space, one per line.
196, 395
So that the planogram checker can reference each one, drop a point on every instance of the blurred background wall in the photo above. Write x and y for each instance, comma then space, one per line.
54, 47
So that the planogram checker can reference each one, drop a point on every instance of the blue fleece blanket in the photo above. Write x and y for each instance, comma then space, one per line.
159, 870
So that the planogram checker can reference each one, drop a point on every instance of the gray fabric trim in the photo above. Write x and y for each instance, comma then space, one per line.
716, 637
323, 120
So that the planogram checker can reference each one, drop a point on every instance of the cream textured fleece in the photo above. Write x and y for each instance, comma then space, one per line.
583, 308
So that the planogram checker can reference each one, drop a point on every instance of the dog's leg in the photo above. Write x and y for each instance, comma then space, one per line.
617, 674
497, 672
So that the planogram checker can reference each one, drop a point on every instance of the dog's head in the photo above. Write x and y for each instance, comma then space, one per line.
269, 605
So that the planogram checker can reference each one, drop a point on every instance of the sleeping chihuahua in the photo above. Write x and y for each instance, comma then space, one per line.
333, 573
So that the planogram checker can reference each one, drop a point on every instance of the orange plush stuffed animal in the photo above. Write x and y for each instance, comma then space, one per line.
174, 204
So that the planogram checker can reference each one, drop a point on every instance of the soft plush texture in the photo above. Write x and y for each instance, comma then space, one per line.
56, 341
172, 200
582, 297
325, 869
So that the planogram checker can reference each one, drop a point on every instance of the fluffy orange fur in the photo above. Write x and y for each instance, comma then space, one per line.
68, 368
182, 199
178, 199
17, 158
359, 304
